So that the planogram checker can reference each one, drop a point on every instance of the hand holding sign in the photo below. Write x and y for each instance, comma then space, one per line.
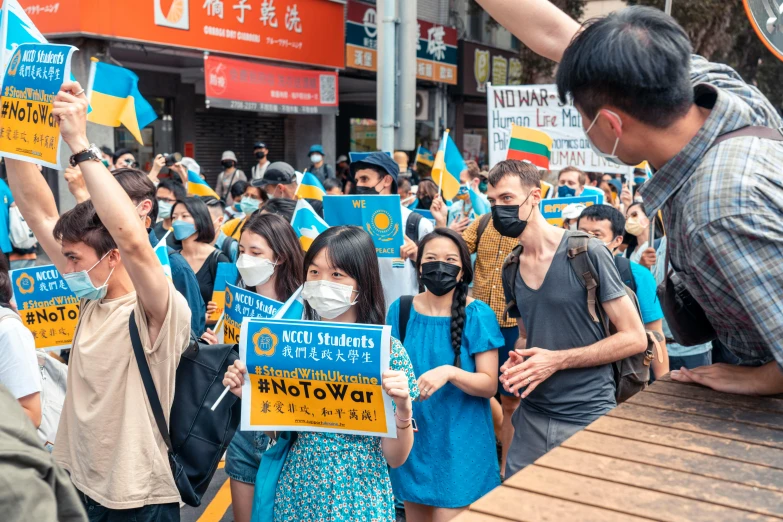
235, 377
71, 111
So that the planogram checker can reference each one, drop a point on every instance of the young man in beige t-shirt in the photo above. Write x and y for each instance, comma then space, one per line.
107, 438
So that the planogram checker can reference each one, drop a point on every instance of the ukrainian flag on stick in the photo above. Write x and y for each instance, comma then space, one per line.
199, 187
530, 145
424, 157
307, 224
310, 188
447, 167
115, 99
162, 252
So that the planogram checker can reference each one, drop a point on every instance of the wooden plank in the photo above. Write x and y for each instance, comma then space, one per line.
748, 402
668, 378
622, 497
685, 440
662, 479
472, 516
524, 506
700, 424
708, 409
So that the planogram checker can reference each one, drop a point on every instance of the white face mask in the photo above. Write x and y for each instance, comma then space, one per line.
315, 158
612, 157
329, 299
255, 270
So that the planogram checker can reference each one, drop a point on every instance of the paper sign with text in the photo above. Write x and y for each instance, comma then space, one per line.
28, 129
379, 216
316, 376
552, 209
242, 303
226, 274
46, 305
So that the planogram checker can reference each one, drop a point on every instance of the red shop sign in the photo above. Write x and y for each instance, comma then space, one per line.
247, 86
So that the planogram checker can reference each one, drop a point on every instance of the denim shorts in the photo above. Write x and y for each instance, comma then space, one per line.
243, 457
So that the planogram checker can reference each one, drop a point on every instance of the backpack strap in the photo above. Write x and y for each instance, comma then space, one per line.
412, 226
581, 265
482, 226
757, 131
149, 384
406, 302
626, 274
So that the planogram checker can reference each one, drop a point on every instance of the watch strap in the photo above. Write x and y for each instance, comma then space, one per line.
85, 155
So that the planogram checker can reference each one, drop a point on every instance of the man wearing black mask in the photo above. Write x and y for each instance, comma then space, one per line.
562, 365
260, 152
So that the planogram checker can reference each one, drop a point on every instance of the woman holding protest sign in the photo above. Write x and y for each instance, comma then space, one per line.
335, 476
452, 340
270, 263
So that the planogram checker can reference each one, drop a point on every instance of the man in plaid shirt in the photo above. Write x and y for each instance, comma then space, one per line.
643, 96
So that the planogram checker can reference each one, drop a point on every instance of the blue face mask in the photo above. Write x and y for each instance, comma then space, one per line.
183, 229
81, 284
164, 209
249, 205
564, 191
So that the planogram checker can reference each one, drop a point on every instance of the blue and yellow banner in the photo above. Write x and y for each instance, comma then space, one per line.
199, 187
226, 274
29, 131
242, 303
310, 187
115, 99
379, 216
447, 167
316, 376
46, 305
307, 224
552, 209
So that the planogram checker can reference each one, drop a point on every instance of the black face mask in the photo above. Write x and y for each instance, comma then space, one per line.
227, 164
505, 219
260, 155
425, 203
439, 277
365, 191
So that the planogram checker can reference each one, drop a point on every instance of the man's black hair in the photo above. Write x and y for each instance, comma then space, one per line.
175, 187
120, 153
636, 59
330, 183
238, 188
605, 213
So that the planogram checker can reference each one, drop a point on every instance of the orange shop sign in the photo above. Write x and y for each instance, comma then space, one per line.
301, 31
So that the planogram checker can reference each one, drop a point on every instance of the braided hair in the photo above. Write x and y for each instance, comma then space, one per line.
460, 295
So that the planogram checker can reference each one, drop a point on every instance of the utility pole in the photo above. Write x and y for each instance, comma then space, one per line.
387, 75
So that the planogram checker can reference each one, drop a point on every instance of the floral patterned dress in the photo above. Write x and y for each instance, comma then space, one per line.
335, 477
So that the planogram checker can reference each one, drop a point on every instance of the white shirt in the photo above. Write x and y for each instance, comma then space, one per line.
19, 370
399, 277
258, 172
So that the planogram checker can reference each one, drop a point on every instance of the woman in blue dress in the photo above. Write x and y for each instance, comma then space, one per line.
330, 476
452, 341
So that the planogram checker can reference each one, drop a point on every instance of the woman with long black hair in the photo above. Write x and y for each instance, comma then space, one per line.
452, 342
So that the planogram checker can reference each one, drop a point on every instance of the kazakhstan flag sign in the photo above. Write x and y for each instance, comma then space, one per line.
379, 216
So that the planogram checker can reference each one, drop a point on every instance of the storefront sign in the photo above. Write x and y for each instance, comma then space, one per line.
316, 376
247, 86
538, 107
436, 50
302, 31
481, 64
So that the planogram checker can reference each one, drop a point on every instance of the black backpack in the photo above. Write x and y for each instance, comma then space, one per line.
412, 226
632, 374
228, 248
197, 437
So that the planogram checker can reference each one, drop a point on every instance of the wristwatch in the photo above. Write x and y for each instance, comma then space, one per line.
90, 153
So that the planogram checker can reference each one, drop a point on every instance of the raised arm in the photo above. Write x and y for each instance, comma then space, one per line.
538, 24
116, 210
36, 203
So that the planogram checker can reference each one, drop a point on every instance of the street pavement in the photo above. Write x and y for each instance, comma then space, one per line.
216, 503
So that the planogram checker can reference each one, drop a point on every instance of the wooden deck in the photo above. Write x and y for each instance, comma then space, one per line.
672, 452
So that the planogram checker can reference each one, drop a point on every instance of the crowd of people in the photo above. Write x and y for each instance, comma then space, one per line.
502, 347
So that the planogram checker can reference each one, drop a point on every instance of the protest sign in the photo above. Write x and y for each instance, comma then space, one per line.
227, 273
316, 376
242, 303
379, 216
426, 214
538, 107
552, 209
29, 130
46, 305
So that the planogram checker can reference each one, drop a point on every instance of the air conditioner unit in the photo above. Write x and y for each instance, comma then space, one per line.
422, 105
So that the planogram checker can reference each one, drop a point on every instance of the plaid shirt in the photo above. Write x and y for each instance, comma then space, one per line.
723, 209
488, 275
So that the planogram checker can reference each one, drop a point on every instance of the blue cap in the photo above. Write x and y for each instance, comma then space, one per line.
316, 148
378, 161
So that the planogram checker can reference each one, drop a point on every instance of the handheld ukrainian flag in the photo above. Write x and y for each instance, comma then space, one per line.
115, 99
447, 167
162, 252
199, 187
479, 202
307, 224
530, 145
424, 157
310, 187
293, 308
16, 29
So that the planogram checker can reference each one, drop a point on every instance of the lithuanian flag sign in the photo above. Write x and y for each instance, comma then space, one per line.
529, 144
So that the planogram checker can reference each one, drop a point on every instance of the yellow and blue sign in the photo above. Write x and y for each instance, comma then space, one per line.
115, 99
46, 305
552, 209
226, 273
29, 131
307, 224
310, 187
447, 167
316, 376
241, 303
379, 216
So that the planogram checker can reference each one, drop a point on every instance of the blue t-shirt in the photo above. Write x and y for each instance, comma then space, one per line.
646, 292
8, 199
